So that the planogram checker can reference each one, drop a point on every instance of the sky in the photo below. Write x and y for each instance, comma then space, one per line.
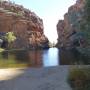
50, 11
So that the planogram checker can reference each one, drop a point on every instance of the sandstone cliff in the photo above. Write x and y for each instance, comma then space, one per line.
26, 25
69, 29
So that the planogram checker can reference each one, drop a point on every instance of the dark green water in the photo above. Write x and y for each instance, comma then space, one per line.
42, 58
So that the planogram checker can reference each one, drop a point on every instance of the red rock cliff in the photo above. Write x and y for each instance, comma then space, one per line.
69, 27
26, 25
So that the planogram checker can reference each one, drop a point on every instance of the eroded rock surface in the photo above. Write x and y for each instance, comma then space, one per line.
69, 30
26, 25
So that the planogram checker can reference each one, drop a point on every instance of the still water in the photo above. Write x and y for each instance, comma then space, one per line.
42, 58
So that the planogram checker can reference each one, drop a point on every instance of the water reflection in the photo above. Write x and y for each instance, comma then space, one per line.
4, 55
50, 57
40, 58
35, 58
21, 56
72, 57
31, 58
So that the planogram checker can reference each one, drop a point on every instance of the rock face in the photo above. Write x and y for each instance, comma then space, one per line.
69, 30
26, 25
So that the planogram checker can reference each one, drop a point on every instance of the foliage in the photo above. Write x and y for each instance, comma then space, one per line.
87, 9
51, 44
1, 49
85, 23
10, 61
19, 14
10, 37
79, 78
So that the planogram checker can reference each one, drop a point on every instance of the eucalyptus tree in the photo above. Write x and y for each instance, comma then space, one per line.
10, 37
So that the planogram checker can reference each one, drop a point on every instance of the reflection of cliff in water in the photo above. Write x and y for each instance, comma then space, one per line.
35, 58
32, 58
4, 55
44, 58
71, 57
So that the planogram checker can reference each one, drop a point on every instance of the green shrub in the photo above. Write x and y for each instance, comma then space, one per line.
79, 79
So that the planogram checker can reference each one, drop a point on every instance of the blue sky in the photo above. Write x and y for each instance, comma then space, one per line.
50, 11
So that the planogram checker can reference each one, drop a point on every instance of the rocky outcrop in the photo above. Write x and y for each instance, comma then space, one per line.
26, 25
69, 29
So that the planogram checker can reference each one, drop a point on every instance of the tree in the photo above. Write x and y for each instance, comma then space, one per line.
87, 19
87, 9
10, 37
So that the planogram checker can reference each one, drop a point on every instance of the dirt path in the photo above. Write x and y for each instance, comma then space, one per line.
53, 78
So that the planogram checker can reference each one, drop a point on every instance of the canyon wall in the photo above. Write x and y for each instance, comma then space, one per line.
26, 25
69, 29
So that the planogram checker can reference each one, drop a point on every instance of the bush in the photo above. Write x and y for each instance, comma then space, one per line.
79, 78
